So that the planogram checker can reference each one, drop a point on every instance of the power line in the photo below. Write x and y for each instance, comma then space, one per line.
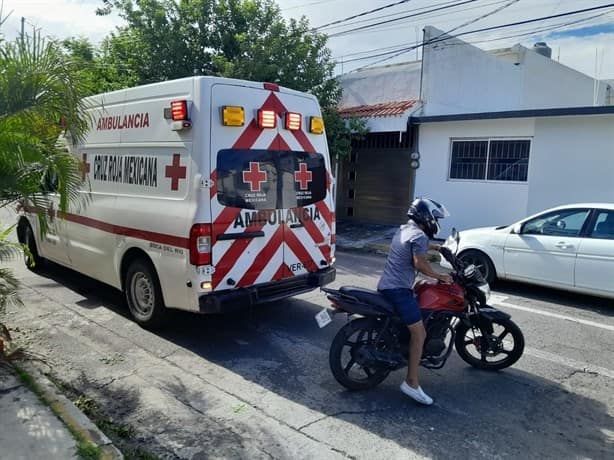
484, 29
364, 13
425, 15
435, 39
399, 46
368, 26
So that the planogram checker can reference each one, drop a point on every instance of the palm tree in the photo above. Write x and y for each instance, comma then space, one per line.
40, 100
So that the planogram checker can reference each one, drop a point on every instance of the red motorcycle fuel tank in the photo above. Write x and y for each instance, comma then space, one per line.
437, 296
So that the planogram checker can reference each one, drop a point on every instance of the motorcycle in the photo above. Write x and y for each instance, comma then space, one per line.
375, 341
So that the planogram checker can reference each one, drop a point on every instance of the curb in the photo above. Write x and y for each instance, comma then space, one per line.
72, 416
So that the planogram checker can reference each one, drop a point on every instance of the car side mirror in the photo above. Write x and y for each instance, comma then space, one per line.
517, 229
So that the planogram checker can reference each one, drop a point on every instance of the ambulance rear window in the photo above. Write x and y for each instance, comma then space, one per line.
270, 179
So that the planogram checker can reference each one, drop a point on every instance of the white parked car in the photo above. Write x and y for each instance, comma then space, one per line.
568, 247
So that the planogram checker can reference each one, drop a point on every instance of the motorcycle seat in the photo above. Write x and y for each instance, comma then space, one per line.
367, 296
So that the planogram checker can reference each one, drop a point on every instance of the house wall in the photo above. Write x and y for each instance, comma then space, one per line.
471, 203
572, 161
461, 78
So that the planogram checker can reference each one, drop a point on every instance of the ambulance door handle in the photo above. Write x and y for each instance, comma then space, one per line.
300, 224
238, 236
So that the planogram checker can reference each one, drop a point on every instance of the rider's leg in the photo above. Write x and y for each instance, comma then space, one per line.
416, 342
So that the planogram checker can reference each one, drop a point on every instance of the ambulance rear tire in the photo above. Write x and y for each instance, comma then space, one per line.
144, 296
32, 259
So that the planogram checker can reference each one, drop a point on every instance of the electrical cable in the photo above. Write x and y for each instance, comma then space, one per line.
484, 29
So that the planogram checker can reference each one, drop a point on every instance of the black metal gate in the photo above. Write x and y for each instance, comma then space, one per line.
376, 183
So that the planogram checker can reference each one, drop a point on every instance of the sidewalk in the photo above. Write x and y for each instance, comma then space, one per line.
30, 428
372, 238
369, 238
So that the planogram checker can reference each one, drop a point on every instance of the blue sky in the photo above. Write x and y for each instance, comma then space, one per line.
584, 31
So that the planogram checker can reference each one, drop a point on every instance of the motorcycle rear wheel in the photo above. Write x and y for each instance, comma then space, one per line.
346, 370
490, 344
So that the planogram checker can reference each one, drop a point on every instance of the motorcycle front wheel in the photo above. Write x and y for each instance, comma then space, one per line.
346, 357
490, 348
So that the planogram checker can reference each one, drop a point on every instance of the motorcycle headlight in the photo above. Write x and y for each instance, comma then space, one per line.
485, 289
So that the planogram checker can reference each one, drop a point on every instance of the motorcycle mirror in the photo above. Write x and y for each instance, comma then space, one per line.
455, 235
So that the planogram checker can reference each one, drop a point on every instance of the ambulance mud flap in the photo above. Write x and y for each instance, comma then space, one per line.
237, 299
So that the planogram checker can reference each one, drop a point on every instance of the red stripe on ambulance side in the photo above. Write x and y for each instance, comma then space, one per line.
137, 233
282, 272
263, 258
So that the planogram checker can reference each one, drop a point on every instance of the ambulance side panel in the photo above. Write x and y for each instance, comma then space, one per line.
143, 180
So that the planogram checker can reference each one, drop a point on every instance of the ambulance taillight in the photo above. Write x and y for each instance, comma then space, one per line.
179, 110
267, 119
200, 244
293, 121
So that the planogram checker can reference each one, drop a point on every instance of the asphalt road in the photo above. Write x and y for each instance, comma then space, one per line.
257, 384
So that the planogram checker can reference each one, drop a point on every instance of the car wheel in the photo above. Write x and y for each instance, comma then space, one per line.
33, 260
482, 262
144, 295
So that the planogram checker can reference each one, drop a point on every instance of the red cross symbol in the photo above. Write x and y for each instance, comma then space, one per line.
175, 172
254, 176
86, 167
303, 176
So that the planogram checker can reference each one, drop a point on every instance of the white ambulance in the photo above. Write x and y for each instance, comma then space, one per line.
203, 194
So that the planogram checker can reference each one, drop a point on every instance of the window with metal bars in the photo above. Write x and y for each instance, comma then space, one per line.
490, 159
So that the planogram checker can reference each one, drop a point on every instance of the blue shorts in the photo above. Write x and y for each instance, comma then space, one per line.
404, 303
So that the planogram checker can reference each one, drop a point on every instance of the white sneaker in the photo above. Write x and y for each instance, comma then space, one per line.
417, 394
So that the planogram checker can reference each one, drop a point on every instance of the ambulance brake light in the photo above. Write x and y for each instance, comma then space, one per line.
179, 110
316, 125
200, 244
233, 115
293, 121
267, 119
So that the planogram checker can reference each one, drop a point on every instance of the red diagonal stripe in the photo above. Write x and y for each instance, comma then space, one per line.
214, 186
273, 103
263, 258
283, 272
301, 137
299, 250
248, 138
316, 235
326, 214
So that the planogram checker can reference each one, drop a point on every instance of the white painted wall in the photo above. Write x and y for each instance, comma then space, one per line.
461, 78
572, 160
471, 203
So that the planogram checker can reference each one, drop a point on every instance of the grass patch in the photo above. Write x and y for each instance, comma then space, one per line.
88, 451
85, 450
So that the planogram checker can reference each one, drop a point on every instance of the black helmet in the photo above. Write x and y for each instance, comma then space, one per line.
426, 212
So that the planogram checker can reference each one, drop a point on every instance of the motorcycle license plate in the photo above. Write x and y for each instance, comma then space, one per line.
323, 318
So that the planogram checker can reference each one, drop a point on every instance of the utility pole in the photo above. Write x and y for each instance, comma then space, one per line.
23, 23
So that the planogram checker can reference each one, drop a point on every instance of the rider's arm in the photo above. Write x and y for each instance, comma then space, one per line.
423, 266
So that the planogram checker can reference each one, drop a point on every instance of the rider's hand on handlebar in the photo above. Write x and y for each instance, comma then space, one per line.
447, 279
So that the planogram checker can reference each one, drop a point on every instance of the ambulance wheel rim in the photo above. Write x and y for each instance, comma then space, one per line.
143, 298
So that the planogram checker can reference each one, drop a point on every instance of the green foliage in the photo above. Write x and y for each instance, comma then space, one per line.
340, 133
38, 88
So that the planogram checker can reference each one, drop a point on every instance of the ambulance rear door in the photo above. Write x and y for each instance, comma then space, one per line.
271, 217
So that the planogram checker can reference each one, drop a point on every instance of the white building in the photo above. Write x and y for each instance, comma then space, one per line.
500, 134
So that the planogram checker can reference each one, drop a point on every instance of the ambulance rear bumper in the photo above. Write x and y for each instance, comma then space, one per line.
238, 299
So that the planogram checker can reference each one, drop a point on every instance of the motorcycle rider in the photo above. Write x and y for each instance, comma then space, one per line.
408, 253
